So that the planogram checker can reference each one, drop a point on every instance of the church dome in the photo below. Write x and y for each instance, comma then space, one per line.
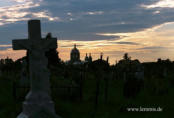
75, 55
74, 50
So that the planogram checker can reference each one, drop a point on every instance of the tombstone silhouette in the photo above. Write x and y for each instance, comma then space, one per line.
38, 102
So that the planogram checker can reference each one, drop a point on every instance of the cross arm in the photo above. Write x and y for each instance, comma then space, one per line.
21, 44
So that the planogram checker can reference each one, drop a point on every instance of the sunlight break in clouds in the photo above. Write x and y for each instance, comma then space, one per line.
12, 54
162, 4
95, 13
154, 36
45, 14
5, 47
152, 43
19, 12
147, 45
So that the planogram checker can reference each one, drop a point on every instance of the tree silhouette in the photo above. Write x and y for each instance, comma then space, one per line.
52, 54
126, 57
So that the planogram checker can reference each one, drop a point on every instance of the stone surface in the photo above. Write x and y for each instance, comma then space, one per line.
24, 81
38, 99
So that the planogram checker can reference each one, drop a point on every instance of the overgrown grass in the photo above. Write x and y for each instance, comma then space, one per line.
115, 107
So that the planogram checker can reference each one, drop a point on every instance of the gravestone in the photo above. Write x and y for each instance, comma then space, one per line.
38, 99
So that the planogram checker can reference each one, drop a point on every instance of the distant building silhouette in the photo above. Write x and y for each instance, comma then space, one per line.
75, 56
88, 59
99, 64
101, 56
107, 59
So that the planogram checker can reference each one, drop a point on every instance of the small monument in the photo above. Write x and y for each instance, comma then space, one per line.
38, 103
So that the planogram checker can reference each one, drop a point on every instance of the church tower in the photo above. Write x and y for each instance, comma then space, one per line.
86, 58
90, 57
75, 55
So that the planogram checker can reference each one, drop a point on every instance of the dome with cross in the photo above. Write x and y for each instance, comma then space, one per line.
75, 54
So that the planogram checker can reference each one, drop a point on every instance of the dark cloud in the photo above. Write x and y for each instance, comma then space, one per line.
126, 43
86, 37
5, 47
152, 48
71, 46
13, 31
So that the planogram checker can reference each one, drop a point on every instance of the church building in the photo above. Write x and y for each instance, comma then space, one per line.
75, 56
88, 59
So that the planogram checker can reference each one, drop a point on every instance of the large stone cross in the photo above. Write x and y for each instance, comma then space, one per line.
38, 99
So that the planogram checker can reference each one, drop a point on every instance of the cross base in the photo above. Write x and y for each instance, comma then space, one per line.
38, 110
36, 107
40, 114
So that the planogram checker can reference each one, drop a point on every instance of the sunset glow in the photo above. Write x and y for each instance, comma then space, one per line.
145, 30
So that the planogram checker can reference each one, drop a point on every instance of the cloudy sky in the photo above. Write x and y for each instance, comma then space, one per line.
143, 28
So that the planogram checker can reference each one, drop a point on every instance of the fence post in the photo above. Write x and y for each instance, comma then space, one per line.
106, 89
97, 91
14, 90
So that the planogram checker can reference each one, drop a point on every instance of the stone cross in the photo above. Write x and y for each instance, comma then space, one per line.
38, 100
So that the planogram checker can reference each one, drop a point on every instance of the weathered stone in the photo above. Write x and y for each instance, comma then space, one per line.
38, 99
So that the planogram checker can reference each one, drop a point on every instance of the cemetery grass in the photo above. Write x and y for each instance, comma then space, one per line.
115, 106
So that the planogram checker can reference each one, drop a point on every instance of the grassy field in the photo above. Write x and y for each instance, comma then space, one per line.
115, 107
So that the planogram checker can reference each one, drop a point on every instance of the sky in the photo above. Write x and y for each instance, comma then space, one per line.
142, 28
